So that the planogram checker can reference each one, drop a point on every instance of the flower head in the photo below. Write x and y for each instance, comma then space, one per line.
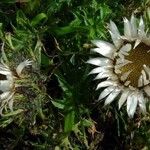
7, 83
125, 65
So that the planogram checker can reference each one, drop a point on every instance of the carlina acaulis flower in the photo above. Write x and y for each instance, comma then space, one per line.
123, 67
8, 85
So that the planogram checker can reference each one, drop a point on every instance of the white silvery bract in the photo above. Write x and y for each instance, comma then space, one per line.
7, 83
123, 67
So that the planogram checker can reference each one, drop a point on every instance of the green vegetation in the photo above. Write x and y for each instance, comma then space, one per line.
56, 107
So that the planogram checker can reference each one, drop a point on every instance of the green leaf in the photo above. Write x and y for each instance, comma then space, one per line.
37, 51
13, 113
5, 123
1, 26
45, 60
87, 123
64, 85
64, 30
69, 121
9, 41
21, 18
38, 19
148, 13
58, 104
33, 5
1, 30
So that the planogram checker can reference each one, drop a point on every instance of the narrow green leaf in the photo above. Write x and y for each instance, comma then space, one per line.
38, 19
13, 113
37, 51
6, 122
58, 104
87, 123
69, 121
64, 30
21, 18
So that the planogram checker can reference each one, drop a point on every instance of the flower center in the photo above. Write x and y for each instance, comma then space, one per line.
130, 72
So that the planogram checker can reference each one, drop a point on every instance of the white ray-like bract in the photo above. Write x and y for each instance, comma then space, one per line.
106, 92
100, 62
125, 66
104, 48
115, 35
100, 69
7, 84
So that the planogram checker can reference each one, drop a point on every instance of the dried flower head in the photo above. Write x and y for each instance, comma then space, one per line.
125, 65
7, 83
